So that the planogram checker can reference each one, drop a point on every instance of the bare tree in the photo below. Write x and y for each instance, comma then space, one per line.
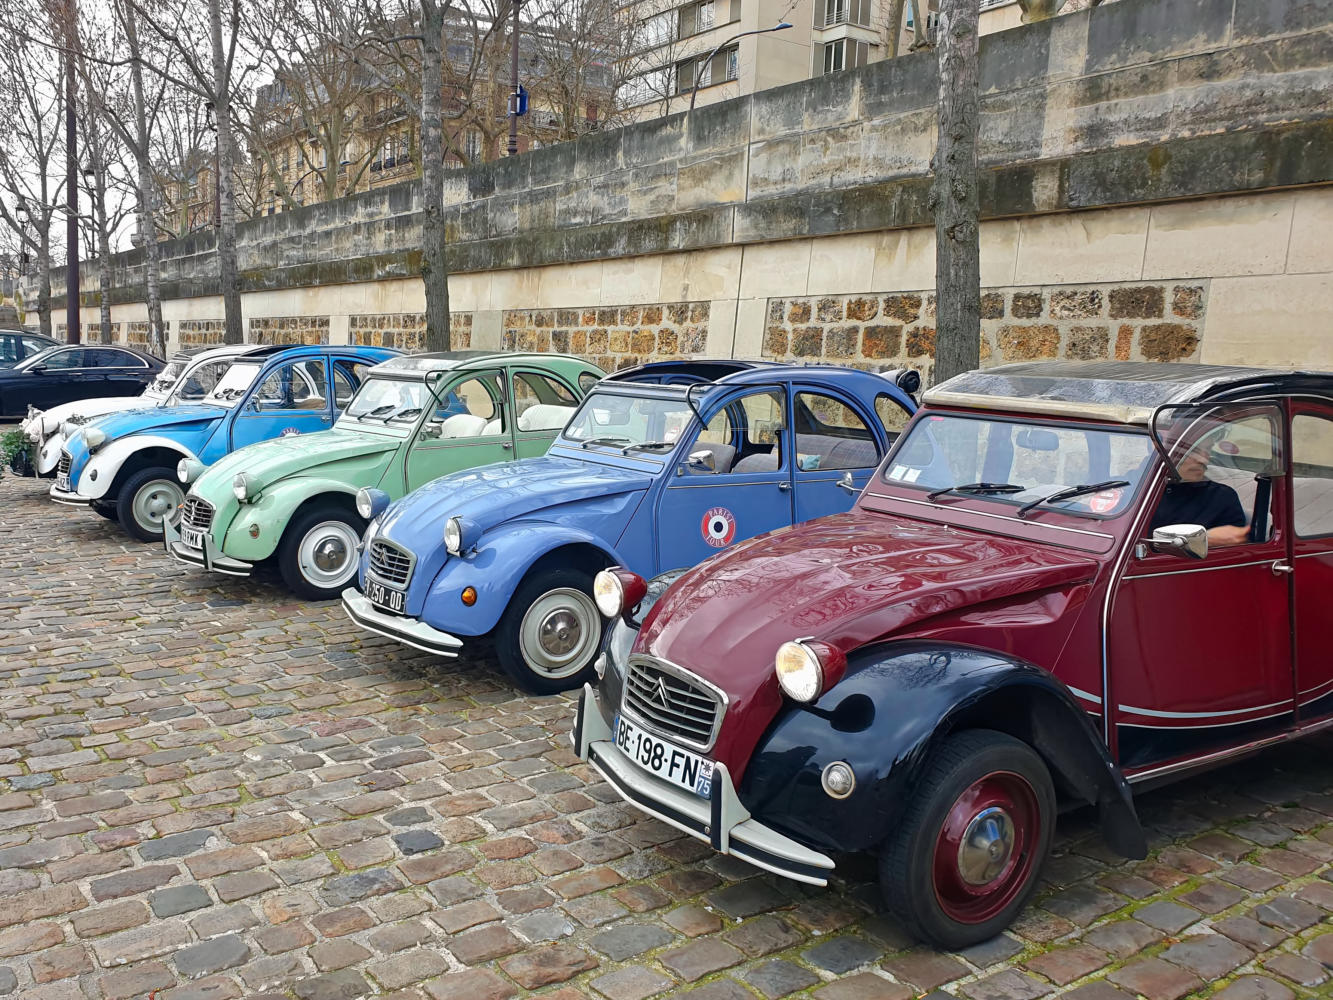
579, 55
954, 194
31, 142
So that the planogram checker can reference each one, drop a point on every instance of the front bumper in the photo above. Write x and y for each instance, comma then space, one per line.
209, 557
69, 498
410, 631
721, 820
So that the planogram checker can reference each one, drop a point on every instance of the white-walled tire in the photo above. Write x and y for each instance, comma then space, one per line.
145, 499
549, 635
318, 557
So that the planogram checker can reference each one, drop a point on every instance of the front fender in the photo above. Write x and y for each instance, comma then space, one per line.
273, 511
496, 568
112, 457
896, 703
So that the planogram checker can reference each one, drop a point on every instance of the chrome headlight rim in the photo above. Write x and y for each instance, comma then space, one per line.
453, 536
188, 470
371, 503
800, 674
608, 593
240, 487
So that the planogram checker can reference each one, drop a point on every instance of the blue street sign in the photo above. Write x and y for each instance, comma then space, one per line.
518, 102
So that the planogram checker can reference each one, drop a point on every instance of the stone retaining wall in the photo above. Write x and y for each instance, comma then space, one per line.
406, 331
611, 337
308, 330
199, 332
1125, 322
136, 334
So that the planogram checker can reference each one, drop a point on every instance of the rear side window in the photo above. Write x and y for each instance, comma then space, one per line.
1312, 475
830, 435
891, 414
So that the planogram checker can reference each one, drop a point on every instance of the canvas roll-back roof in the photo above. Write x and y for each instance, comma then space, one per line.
1123, 391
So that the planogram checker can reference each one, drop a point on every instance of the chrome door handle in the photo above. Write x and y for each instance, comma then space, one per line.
506, 446
1281, 567
784, 487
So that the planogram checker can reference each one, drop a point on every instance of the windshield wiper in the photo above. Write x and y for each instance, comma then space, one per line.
1073, 491
648, 446
405, 411
370, 413
612, 442
978, 488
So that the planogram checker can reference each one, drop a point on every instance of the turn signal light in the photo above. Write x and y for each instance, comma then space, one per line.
469, 596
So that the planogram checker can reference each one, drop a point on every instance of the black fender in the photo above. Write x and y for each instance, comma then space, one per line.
893, 706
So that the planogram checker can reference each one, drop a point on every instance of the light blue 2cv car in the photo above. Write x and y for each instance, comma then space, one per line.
660, 467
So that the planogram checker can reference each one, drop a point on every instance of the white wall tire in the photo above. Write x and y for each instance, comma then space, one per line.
551, 632
146, 499
318, 556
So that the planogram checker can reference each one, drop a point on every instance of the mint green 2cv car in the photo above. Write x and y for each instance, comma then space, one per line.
414, 419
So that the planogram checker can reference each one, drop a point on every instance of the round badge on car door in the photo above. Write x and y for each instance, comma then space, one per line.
719, 527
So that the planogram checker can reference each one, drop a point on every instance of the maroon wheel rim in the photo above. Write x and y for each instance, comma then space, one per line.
986, 848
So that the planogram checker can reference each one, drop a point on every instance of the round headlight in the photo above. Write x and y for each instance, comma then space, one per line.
94, 438
609, 593
799, 672
453, 536
240, 487
188, 470
363, 503
50, 425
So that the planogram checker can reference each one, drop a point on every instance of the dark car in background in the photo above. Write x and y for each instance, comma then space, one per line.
15, 345
66, 372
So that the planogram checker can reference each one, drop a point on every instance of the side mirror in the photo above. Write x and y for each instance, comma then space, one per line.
1188, 540
703, 461
38, 369
848, 483
432, 428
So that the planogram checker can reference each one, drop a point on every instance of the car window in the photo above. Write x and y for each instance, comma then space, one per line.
11, 349
541, 403
69, 358
296, 385
624, 422
587, 380
1312, 475
466, 409
109, 357
761, 415
32, 345
830, 435
347, 375
201, 380
892, 415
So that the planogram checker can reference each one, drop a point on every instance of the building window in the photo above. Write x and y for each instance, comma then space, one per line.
646, 87
833, 12
845, 53
725, 65
697, 17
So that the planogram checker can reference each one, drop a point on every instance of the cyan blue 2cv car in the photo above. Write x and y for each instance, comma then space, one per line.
660, 467
125, 465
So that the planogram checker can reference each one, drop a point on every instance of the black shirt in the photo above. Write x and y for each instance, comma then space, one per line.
1207, 503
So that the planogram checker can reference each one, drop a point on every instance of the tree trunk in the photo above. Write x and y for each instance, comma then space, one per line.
44, 287
225, 181
954, 196
157, 339
434, 261
893, 32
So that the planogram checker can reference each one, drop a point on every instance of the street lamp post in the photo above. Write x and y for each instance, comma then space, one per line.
699, 68
72, 317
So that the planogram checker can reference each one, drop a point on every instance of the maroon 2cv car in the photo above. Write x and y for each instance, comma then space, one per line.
1065, 580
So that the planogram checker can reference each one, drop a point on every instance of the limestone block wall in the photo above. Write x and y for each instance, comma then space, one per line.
288, 330
1125, 322
406, 331
136, 333
612, 337
197, 332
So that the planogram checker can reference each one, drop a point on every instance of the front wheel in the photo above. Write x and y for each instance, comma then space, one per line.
974, 836
549, 635
145, 500
318, 557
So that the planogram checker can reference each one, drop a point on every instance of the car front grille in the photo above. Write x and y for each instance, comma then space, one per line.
390, 563
197, 514
673, 703
66, 460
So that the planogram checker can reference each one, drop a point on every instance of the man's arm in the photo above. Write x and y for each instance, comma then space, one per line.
1230, 527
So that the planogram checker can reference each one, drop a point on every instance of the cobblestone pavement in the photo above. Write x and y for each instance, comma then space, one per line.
209, 789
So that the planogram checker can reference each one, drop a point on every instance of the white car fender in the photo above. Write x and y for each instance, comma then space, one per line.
108, 461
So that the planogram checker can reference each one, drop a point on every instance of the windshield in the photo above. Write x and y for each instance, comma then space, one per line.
614, 421
389, 401
233, 384
199, 381
165, 379
1017, 462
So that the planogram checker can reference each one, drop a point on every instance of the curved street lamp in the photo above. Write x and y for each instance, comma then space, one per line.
699, 68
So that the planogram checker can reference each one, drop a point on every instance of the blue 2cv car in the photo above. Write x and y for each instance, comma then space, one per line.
660, 467
125, 465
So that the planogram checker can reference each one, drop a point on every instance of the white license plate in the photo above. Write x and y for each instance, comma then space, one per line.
385, 597
192, 538
62, 482
681, 767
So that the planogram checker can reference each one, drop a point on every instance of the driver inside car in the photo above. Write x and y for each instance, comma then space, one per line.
1196, 499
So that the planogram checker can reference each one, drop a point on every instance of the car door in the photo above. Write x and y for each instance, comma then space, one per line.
833, 438
1200, 651
469, 427
748, 491
542, 405
290, 397
60, 380
119, 372
1312, 549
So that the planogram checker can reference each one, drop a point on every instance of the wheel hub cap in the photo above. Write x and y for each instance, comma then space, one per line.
986, 846
330, 554
559, 633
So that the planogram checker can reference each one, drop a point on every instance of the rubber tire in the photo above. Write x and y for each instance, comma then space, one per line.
125, 500
506, 634
905, 865
106, 510
288, 554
